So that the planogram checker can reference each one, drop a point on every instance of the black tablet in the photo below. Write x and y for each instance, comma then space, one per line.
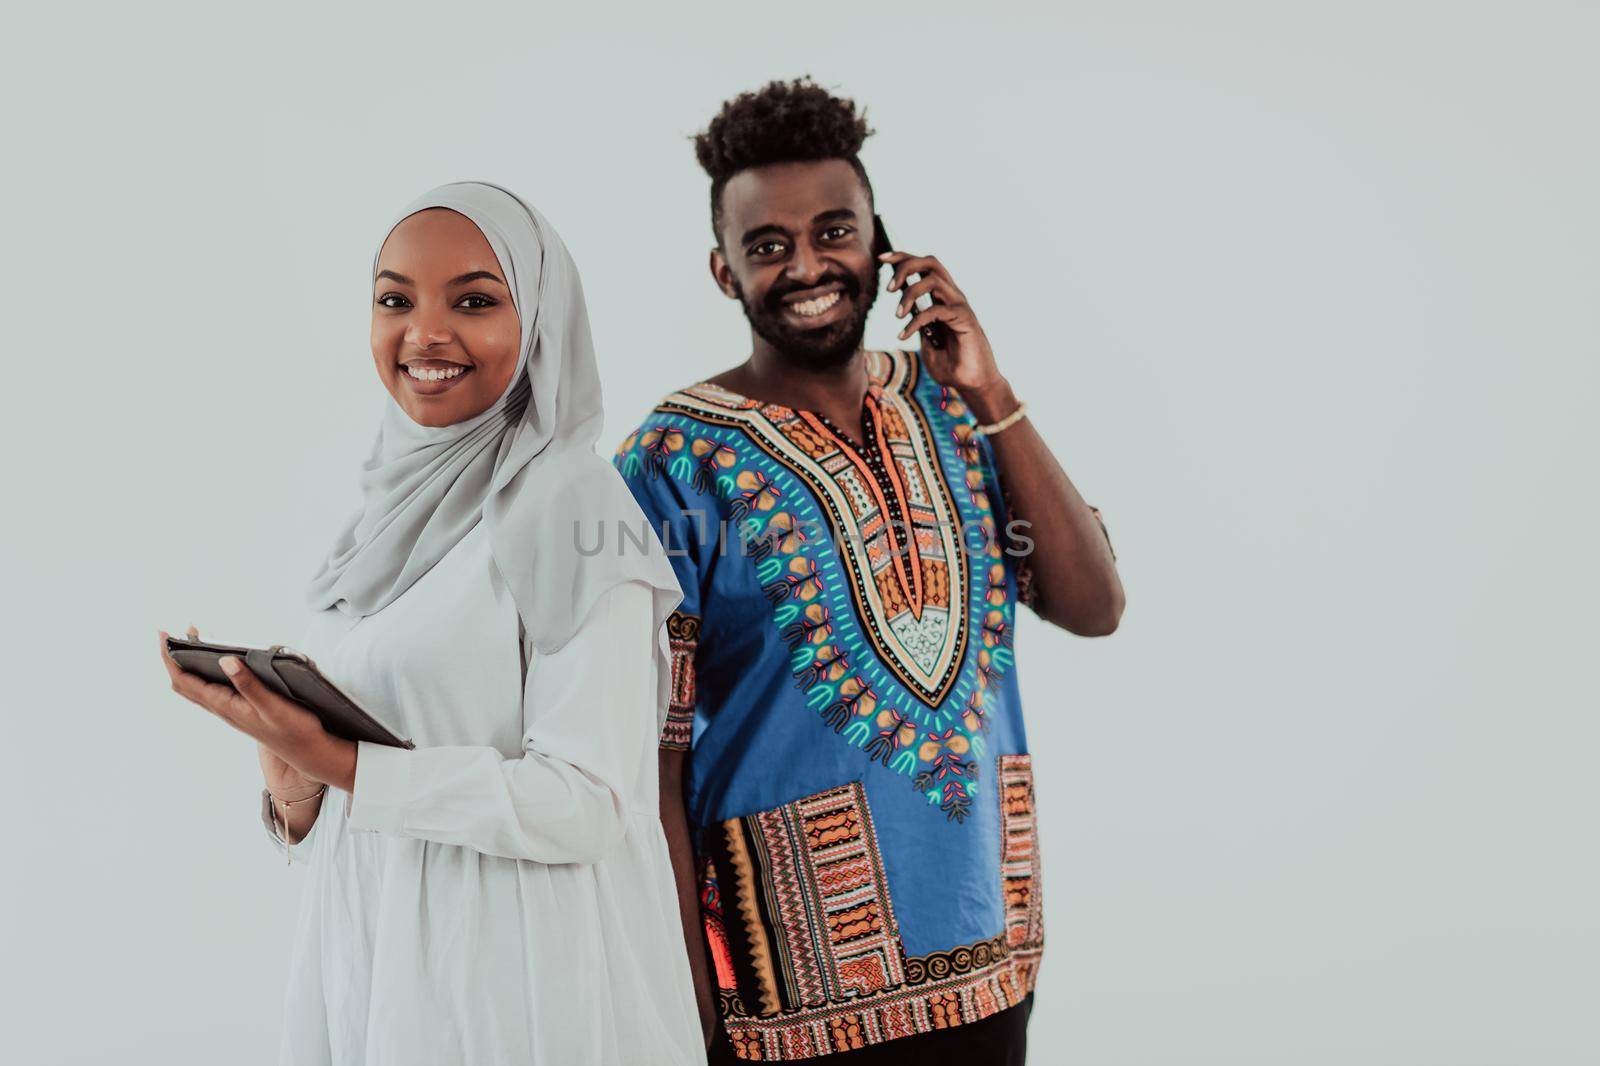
292, 676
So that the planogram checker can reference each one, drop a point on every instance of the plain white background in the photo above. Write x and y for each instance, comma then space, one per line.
1303, 295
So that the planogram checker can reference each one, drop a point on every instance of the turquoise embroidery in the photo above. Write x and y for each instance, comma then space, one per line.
790, 542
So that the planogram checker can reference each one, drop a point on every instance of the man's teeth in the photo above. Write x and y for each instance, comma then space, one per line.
812, 308
423, 373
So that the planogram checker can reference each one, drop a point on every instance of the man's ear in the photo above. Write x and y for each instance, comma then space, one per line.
722, 274
880, 237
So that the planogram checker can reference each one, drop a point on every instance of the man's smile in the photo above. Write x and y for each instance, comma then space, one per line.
819, 305
813, 308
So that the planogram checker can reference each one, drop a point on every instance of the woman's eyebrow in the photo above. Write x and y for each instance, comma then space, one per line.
401, 278
477, 275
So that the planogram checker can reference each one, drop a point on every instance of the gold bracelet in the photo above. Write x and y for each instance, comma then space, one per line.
287, 858
1005, 423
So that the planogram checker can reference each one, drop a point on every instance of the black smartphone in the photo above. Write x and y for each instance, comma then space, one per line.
933, 331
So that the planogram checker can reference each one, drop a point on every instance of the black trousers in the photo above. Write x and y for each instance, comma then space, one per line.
998, 1040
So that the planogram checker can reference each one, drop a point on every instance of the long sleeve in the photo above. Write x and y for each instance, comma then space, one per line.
589, 717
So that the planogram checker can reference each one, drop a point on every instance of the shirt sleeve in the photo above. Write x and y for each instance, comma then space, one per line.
686, 525
589, 721
1027, 592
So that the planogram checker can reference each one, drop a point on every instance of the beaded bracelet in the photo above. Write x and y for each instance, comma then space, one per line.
1005, 423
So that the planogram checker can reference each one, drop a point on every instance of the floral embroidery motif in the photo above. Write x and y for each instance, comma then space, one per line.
899, 619
897, 534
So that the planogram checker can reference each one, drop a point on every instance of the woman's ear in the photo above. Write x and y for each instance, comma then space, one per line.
722, 274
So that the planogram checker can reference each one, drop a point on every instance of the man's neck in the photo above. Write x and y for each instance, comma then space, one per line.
835, 392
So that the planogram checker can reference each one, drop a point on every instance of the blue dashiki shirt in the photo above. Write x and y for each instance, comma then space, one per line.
858, 781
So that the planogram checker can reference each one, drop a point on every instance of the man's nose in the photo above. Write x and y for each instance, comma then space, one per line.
805, 266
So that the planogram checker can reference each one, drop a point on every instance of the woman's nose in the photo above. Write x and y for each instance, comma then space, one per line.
425, 335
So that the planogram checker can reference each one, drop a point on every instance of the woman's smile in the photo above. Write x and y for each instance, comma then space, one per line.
431, 377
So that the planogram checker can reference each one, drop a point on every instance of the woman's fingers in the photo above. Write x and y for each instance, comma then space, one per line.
174, 671
244, 703
267, 704
220, 700
191, 687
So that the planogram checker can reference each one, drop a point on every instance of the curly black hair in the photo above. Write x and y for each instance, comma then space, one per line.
782, 122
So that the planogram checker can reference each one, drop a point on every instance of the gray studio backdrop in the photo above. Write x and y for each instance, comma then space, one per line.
1303, 295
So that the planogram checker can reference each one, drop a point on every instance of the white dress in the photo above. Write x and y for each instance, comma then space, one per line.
503, 893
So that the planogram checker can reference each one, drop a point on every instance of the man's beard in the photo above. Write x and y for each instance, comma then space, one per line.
822, 348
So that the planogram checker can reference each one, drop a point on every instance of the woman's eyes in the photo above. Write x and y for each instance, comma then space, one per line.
473, 301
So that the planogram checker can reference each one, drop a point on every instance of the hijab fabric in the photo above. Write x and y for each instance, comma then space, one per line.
526, 466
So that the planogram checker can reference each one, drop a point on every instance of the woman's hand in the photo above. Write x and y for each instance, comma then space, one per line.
296, 751
283, 780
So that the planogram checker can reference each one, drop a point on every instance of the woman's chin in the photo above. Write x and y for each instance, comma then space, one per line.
436, 412
444, 402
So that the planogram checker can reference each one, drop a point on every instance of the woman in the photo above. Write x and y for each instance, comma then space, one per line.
502, 893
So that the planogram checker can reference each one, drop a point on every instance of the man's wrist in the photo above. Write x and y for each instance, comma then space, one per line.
992, 402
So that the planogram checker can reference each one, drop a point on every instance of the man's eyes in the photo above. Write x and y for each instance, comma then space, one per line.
767, 249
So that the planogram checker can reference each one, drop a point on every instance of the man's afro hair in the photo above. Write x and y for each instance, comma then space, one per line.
782, 122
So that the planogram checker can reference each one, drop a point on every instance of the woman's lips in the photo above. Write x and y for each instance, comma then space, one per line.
432, 377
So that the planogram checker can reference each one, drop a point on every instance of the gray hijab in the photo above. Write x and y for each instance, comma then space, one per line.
526, 466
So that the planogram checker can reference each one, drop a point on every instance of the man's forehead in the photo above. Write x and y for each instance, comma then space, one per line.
791, 194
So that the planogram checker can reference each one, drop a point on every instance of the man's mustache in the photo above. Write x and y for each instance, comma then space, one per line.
774, 299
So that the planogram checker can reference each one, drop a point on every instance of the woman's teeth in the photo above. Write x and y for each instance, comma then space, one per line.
812, 308
423, 373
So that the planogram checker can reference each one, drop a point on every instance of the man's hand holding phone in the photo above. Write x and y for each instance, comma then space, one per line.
966, 362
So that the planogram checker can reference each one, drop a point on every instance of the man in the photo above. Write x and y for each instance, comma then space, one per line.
844, 775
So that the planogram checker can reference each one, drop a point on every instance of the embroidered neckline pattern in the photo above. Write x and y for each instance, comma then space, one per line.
881, 631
